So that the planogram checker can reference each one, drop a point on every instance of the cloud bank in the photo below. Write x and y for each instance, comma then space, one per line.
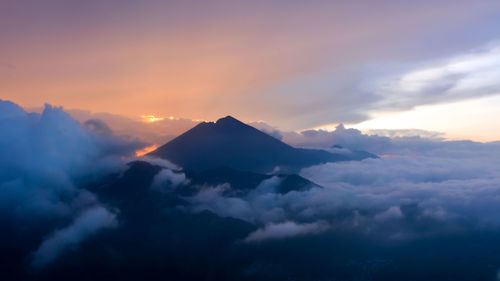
45, 157
419, 187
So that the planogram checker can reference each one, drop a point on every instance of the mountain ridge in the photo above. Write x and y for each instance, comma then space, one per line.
232, 143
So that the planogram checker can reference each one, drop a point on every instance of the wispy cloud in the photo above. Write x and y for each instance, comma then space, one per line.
87, 224
467, 75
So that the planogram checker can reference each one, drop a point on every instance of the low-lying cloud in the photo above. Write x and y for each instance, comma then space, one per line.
420, 186
285, 230
87, 224
167, 179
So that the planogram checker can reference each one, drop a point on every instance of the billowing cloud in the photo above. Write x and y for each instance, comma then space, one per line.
259, 205
342, 137
169, 177
212, 199
285, 230
420, 186
9, 109
168, 180
44, 158
84, 226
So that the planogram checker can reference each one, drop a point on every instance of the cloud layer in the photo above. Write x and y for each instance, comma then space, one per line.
419, 187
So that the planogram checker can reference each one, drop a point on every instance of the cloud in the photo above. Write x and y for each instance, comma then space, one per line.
285, 230
169, 177
164, 163
342, 138
257, 206
393, 212
158, 132
420, 186
45, 158
87, 224
472, 74
454, 182
392, 133
235, 67
9, 109
211, 199
168, 180
266, 128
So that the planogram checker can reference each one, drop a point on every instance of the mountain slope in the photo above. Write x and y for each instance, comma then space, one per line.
229, 142
242, 182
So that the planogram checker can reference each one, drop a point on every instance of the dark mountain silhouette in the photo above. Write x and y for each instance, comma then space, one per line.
229, 142
242, 182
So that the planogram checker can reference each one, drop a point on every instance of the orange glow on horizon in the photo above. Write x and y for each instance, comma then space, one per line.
146, 150
152, 118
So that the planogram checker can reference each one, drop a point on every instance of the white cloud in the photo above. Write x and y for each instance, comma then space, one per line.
418, 181
462, 76
258, 205
160, 162
87, 224
167, 180
286, 230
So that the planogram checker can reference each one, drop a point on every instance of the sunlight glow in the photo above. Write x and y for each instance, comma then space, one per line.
152, 118
146, 150
470, 119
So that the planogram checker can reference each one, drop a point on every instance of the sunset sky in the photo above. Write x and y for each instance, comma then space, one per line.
430, 65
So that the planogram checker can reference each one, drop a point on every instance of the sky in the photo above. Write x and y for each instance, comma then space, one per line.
429, 65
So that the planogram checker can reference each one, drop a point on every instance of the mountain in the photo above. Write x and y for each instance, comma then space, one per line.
231, 143
242, 182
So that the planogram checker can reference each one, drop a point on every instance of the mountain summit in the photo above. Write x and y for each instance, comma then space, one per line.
232, 143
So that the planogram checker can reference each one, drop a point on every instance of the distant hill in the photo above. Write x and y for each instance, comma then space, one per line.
241, 182
231, 143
